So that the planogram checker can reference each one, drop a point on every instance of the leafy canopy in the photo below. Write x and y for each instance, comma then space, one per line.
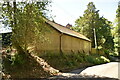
116, 31
27, 22
96, 28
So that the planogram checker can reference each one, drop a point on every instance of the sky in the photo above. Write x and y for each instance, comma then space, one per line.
67, 11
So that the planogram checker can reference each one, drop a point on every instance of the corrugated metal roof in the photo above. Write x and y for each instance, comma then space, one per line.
67, 31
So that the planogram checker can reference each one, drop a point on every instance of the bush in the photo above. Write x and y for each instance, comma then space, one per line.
97, 60
89, 59
101, 60
64, 61
114, 54
17, 59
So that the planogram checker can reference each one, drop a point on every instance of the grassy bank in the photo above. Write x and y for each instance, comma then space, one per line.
68, 62
65, 62
17, 65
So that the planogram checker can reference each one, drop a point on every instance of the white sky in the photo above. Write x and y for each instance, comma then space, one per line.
67, 11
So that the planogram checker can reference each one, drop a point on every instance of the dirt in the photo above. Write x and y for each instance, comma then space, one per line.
27, 67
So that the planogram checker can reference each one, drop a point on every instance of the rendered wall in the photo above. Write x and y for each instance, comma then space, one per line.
74, 45
68, 44
53, 41
87, 46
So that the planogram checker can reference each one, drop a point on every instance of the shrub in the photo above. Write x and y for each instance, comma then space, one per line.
113, 54
89, 59
96, 60
101, 60
17, 59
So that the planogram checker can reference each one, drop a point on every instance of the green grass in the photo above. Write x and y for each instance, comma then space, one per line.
96, 59
66, 62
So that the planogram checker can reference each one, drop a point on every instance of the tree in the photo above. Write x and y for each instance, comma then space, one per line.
104, 35
96, 28
88, 22
116, 31
27, 22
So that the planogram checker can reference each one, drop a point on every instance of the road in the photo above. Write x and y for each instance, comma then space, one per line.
105, 70
109, 70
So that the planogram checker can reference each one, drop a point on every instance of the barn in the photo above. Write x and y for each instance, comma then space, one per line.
62, 39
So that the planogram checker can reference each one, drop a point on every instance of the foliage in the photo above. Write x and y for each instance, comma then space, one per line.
27, 22
114, 54
97, 59
65, 62
8, 50
88, 22
6, 39
17, 59
116, 31
68, 62
103, 33
91, 25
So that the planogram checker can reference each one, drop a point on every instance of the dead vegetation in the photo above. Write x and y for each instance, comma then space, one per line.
24, 66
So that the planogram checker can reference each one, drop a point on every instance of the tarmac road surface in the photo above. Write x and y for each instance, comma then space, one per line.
107, 71
111, 70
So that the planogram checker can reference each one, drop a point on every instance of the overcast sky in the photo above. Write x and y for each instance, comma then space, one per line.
67, 11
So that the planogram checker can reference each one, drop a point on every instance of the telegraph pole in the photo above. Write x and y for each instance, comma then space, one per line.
95, 38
